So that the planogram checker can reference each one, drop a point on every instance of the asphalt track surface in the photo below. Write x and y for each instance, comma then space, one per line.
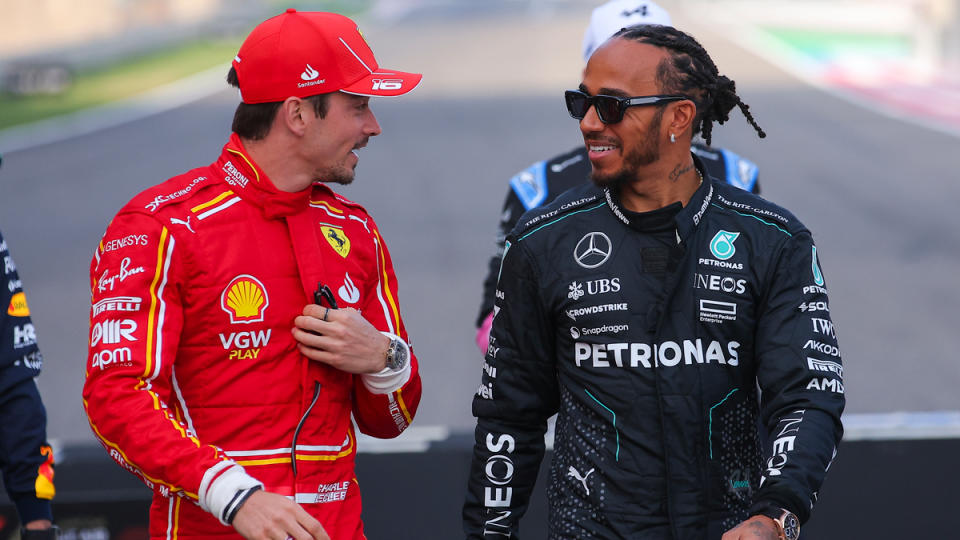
878, 193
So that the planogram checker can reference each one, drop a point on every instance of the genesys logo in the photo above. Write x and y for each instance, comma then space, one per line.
111, 332
129, 240
244, 299
18, 306
117, 303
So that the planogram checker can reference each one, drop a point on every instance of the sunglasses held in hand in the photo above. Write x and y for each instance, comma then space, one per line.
610, 109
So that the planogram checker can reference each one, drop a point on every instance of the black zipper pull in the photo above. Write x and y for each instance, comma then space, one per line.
296, 433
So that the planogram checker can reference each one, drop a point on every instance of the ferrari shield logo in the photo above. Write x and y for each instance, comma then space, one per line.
337, 240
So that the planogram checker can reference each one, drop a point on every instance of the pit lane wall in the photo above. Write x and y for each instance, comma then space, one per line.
894, 477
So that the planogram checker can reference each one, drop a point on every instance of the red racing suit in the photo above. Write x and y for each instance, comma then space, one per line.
194, 381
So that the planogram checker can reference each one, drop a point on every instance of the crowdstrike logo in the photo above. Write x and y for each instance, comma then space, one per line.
309, 74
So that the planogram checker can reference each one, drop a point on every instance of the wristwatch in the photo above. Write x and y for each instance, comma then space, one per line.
398, 354
788, 526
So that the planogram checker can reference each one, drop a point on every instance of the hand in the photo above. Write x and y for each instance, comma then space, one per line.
755, 528
346, 340
38, 525
268, 516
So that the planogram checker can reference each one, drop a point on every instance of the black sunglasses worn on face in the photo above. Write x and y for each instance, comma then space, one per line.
610, 109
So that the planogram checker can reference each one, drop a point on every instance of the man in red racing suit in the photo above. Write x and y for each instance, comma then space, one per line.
220, 370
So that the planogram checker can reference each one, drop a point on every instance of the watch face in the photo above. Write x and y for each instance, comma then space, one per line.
791, 527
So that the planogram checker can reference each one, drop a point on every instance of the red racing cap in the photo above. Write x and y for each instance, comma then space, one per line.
307, 53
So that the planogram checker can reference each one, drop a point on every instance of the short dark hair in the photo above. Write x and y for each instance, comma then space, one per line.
253, 121
691, 71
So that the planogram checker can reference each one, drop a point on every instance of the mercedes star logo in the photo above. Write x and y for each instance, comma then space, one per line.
592, 250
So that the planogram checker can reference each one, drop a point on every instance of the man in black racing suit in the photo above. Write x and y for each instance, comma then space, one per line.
664, 315
26, 459
543, 181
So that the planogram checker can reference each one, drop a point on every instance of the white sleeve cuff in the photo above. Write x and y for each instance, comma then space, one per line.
220, 485
388, 381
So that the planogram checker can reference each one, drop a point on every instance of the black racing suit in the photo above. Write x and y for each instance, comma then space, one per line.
663, 340
543, 181
25, 457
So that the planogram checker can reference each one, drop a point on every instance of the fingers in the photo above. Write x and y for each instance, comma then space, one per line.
312, 527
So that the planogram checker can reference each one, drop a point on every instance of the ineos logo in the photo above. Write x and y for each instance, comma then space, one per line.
592, 250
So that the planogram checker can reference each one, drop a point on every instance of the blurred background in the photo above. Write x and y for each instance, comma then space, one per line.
860, 100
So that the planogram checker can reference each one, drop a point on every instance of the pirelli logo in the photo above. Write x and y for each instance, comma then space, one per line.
824, 365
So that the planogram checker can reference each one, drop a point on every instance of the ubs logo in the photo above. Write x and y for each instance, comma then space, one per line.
592, 250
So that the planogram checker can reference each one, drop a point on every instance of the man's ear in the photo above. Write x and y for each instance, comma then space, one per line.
292, 115
680, 116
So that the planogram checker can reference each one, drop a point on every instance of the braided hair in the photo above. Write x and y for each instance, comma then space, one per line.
691, 71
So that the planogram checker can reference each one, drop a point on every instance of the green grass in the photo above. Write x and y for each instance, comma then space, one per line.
118, 81
822, 45
135, 75
350, 8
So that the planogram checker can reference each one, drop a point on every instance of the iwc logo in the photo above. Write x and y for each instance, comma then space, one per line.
592, 250
722, 245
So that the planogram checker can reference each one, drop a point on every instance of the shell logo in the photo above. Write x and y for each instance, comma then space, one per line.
244, 299
18, 306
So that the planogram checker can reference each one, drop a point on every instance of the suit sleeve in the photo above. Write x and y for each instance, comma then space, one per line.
135, 323
518, 392
25, 456
800, 374
385, 403
512, 210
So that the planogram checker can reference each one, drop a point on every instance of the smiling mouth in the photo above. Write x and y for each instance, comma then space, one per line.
600, 147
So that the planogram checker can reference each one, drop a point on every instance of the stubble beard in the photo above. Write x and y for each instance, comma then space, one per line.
336, 175
645, 152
